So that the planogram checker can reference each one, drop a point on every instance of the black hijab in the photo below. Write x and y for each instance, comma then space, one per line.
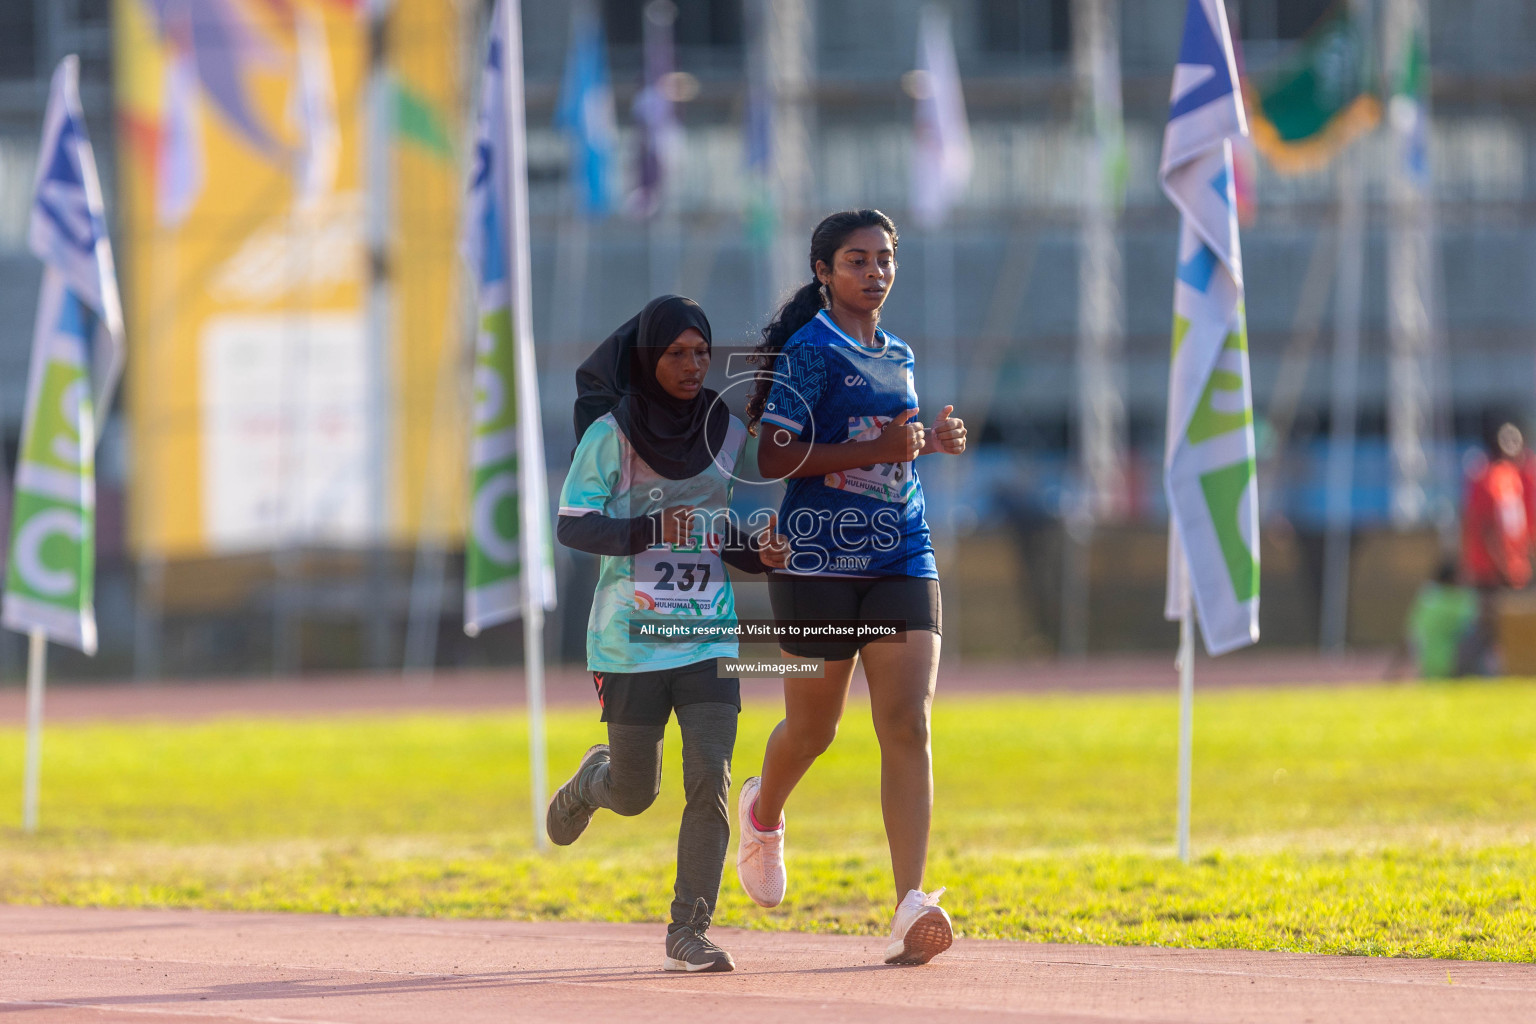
676, 437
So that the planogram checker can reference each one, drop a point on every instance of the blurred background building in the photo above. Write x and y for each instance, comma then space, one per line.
1040, 305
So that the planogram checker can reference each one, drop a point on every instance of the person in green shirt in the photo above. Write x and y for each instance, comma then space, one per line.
1439, 622
649, 490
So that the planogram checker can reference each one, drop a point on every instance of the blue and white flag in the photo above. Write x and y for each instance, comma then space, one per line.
758, 127
314, 109
586, 112
509, 498
941, 143
655, 113
77, 357
1209, 467
180, 171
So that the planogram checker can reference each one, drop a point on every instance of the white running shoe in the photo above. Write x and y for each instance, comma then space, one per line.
759, 855
921, 930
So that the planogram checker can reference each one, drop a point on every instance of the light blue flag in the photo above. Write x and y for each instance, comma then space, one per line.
586, 112
1209, 467
509, 499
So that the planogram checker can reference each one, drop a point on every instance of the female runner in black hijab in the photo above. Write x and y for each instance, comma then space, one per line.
649, 489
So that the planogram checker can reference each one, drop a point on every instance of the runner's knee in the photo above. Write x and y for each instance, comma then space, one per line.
811, 739
904, 727
631, 796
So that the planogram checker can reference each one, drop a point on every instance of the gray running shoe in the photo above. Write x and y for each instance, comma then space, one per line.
568, 813
689, 950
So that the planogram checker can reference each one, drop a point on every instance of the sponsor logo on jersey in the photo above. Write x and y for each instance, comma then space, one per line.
853, 380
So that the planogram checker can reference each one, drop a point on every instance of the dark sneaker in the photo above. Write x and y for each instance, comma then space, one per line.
689, 950
568, 813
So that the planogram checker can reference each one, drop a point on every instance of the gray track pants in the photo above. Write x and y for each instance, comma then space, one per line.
630, 781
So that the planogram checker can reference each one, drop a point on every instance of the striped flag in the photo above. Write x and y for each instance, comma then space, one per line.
1209, 466
77, 357
941, 151
509, 502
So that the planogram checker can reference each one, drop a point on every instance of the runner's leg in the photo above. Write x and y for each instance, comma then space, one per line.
709, 737
629, 781
812, 709
901, 682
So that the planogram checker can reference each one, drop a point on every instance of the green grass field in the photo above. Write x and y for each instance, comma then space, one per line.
1389, 821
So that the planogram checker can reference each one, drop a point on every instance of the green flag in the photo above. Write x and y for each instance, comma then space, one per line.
1319, 100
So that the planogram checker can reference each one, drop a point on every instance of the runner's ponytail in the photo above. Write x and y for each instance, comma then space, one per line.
800, 310
808, 300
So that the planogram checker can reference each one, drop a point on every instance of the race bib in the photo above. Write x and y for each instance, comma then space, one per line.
886, 481
680, 580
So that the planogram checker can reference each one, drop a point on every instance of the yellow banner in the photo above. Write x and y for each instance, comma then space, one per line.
253, 416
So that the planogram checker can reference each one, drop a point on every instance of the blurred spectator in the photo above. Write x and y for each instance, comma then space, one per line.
1440, 624
1495, 534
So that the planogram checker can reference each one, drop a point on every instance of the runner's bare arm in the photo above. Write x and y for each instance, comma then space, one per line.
781, 457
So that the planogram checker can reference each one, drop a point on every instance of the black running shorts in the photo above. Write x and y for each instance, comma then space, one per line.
810, 600
647, 698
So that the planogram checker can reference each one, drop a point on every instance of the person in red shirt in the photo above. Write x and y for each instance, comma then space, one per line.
1496, 531
1495, 528
1528, 478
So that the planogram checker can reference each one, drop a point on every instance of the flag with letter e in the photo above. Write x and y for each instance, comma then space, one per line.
508, 506
77, 357
1209, 466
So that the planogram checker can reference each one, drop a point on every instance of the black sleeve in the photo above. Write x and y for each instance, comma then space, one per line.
740, 551
601, 535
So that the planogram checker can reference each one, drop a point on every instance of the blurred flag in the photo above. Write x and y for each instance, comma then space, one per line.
180, 172
418, 122
509, 503
226, 48
77, 356
654, 113
1209, 466
1320, 100
314, 107
1409, 110
941, 149
586, 111
761, 216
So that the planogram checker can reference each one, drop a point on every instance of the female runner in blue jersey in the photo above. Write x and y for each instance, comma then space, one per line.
836, 408
649, 489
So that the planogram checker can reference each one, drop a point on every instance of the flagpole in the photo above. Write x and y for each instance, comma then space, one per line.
1186, 666
531, 556
1344, 403
37, 668
942, 375
378, 152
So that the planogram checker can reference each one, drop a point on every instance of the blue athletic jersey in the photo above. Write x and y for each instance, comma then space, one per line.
866, 521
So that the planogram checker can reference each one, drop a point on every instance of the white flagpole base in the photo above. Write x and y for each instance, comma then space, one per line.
37, 667
1186, 664
1186, 725
533, 670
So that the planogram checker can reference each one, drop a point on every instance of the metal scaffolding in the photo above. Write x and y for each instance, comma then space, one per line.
1412, 348
1101, 442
